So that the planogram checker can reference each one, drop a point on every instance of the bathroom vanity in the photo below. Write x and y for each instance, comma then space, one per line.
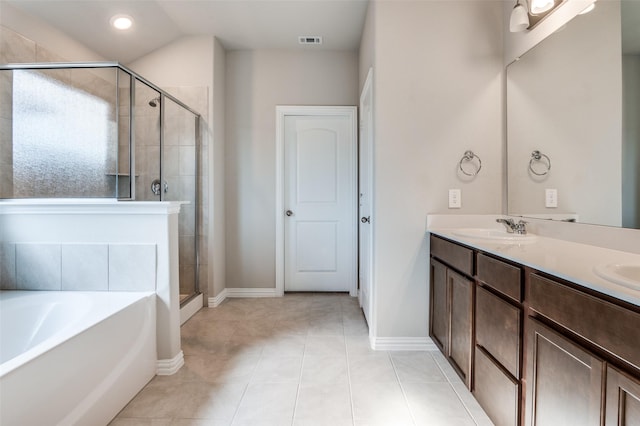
536, 336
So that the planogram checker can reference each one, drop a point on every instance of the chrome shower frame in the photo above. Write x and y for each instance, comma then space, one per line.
133, 76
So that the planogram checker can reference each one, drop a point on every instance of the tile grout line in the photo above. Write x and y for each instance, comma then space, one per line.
346, 353
304, 355
246, 388
404, 394
454, 389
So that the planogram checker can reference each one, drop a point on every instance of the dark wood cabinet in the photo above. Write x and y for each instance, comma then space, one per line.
622, 399
497, 392
460, 334
564, 381
498, 351
452, 301
439, 315
534, 349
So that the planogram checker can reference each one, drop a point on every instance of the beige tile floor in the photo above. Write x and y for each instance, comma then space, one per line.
303, 359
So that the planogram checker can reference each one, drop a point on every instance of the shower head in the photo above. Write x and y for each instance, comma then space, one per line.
154, 102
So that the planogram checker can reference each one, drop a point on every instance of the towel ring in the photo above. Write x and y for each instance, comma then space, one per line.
470, 156
537, 156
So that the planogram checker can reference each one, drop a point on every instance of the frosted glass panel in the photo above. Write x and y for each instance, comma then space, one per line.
64, 134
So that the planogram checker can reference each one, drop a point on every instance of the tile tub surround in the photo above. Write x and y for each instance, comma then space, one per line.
303, 359
565, 259
78, 267
138, 236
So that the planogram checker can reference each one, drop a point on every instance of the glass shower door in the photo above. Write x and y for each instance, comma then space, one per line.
147, 143
179, 171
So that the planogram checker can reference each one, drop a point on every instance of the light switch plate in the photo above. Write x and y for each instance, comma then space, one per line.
551, 198
455, 199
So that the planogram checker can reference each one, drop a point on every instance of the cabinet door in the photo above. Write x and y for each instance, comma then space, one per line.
460, 334
439, 324
564, 381
623, 399
498, 329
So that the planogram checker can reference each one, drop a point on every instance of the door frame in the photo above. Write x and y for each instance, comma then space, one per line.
367, 90
283, 111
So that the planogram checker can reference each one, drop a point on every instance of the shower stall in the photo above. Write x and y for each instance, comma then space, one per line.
99, 130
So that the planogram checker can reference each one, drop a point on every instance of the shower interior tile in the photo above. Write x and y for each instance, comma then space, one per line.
187, 161
171, 130
85, 267
15, 48
171, 160
132, 267
187, 279
45, 55
188, 188
7, 266
187, 220
187, 250
188, 129
6, 94
38, 266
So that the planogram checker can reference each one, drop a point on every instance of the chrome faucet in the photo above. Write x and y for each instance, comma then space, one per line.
512, 227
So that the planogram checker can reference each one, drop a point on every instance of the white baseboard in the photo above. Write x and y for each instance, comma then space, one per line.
402, 344
167, 367
214, 302
242, 292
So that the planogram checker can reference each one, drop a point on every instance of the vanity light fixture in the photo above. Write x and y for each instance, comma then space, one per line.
541, 6
519, 18
121, 22
540, 9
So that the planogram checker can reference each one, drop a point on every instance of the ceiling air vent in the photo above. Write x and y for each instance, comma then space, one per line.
309, 40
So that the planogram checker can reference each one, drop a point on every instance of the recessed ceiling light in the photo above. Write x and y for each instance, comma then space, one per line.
121, 21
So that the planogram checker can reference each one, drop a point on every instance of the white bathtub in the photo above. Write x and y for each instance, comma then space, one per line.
73, 358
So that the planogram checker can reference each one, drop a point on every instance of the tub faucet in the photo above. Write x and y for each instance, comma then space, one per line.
512, 227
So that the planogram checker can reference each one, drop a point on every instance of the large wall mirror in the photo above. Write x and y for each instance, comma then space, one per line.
573, 121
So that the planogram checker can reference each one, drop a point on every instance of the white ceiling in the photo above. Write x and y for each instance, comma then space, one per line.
239, 24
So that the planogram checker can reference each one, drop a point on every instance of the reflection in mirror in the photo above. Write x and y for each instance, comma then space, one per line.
575, 97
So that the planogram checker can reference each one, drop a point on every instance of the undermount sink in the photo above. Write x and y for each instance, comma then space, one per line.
627, 275
494, 234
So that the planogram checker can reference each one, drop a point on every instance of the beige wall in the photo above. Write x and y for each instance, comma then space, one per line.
367, 46
257, 81
438, 76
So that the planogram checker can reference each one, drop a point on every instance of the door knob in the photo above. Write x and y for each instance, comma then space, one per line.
289, 213
366, 219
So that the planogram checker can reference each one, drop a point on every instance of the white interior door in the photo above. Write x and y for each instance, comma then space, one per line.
365, 198
319, 202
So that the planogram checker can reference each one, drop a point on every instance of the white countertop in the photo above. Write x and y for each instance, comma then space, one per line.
564, 259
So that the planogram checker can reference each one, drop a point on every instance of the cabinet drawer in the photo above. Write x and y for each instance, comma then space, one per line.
609, 326
496, 392
505, 278
457, 256
498, 325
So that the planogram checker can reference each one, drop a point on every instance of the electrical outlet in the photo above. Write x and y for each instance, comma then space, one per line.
551, 198
455, 199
